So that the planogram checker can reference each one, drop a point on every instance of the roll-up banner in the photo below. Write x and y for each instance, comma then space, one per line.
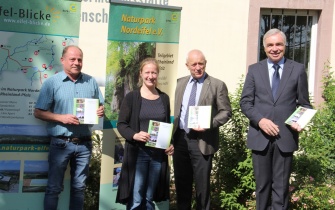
32, 37
135, 31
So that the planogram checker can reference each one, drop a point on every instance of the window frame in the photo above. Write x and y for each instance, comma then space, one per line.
311, 61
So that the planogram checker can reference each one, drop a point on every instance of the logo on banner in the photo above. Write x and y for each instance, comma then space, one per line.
73, 7
173, 18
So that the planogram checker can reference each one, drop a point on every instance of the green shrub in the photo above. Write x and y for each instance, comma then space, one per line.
233, 181
313, 173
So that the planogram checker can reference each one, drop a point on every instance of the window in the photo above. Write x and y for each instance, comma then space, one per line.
300, 29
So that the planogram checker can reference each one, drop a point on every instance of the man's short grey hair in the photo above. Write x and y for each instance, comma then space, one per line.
194, 50
272, 32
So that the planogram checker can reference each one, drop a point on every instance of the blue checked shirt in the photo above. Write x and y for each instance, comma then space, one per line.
57, 94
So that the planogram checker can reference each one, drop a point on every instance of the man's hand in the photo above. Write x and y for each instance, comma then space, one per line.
100, 111
199, 129
52, 117
295, 126
268, 127
69, 119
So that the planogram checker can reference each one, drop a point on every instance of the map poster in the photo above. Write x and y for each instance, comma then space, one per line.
135, 32
33, 35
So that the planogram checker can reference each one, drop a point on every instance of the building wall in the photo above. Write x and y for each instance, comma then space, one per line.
226, 31
218, 28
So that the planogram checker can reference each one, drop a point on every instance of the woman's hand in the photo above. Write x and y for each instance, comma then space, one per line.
170, 150
141, 136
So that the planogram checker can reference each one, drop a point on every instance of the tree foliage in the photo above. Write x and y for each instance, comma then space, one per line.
123, 65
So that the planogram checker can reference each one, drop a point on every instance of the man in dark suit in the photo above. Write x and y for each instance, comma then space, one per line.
194, 148
268, 102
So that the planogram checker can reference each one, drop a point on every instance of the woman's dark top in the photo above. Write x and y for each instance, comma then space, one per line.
151, 110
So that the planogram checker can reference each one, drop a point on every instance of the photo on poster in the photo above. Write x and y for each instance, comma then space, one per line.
9, 176
23, 138
35, 176
119, 150
116, 176
23, 134
122, 75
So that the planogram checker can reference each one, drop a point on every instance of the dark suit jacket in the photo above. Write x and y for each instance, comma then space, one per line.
214, 92
257, 103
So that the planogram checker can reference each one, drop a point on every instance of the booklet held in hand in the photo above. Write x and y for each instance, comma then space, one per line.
302, 116
199, 117
160, 134
85, 109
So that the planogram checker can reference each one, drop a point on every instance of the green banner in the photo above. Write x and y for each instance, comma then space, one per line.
146, 24
45, 17
135, 32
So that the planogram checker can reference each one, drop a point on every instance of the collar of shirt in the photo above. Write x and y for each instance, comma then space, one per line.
201, 80
280, 63
271, 69
66, 78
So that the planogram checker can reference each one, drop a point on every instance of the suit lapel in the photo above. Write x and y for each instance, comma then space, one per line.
265, 76
204, 89
180, 92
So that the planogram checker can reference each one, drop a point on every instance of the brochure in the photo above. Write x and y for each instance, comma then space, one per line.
302, 116
86, 110
199, 117
160, 134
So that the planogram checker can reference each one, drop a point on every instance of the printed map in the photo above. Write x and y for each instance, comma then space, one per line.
37, 57
26, 61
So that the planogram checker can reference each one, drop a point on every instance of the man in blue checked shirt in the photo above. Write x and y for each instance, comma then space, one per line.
70, 140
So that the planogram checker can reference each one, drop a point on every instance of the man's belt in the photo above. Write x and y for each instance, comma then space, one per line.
75, 139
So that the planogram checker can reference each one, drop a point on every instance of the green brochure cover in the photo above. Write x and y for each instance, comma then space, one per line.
86, 110
302, 116
160, 134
